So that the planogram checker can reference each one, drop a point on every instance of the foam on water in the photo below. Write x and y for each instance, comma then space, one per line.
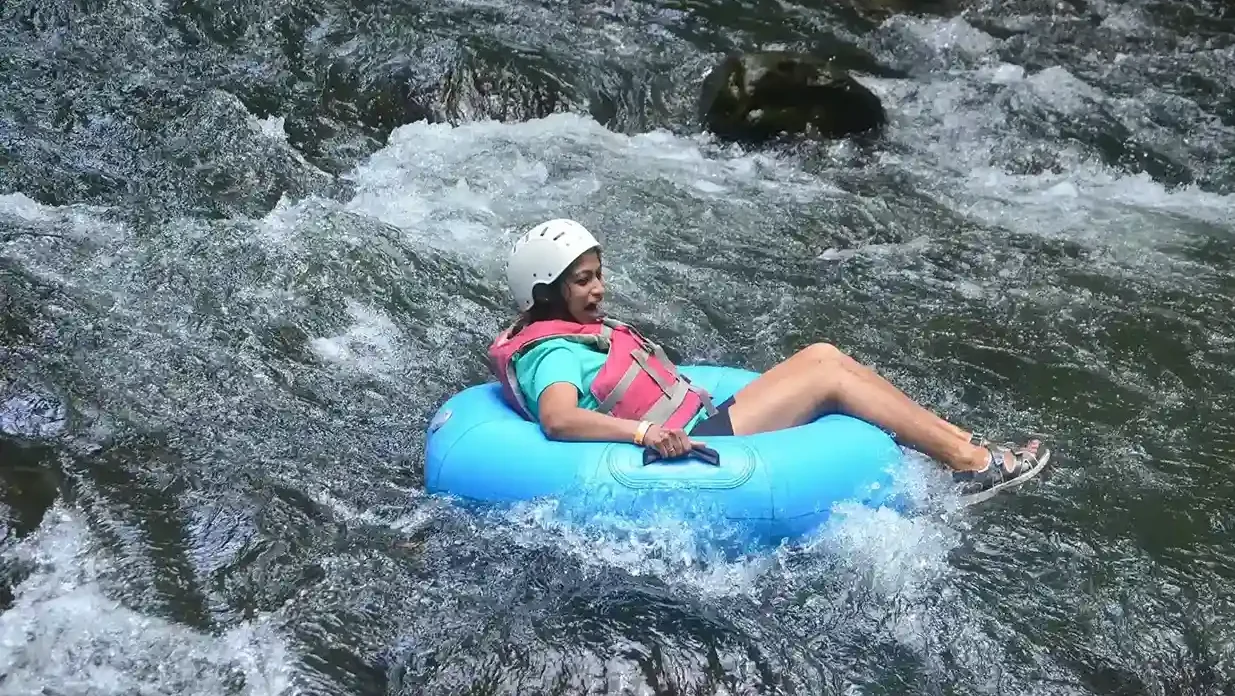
652, 199
655, 198
84, 222
891, 548
960, 136
447, 182
468, 188
370, 345
66, 633
22, 206
892, 554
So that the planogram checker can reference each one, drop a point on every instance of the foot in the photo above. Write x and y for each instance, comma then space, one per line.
1008, 466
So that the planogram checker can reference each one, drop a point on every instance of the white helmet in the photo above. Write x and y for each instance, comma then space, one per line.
542, 253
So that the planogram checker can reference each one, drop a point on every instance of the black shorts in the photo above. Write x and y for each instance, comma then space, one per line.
716, 424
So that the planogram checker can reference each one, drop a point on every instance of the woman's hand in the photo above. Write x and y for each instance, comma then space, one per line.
670, 442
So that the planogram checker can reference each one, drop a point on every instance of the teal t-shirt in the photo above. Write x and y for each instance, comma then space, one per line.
564, 360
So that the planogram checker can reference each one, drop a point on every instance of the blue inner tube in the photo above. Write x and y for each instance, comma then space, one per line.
766, 487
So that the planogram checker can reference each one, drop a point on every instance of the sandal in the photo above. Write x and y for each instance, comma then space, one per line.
983, 484
978, 440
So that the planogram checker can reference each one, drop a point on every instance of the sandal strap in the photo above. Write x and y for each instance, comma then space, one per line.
1023, 458
994, 475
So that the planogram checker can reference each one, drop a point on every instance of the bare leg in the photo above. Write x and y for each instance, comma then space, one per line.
873, 380
820, 378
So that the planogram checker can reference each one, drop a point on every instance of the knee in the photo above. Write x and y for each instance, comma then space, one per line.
821, 367
823, 353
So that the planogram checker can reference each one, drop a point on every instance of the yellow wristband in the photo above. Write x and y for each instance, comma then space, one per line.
641, 431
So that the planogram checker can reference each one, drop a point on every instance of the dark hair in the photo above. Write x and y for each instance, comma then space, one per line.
548, 301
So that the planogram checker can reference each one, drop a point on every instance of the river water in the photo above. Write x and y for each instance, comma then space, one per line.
233, 296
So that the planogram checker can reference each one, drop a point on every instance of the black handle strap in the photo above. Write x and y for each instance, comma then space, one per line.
707, 454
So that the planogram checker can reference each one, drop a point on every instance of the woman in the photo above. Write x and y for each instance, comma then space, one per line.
584, 377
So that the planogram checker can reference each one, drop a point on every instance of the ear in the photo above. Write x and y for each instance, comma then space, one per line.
540, 294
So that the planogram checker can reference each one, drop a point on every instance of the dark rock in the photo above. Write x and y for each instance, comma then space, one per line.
754, 97
502, 85
392, 100
877, 10
29, 485
459, 85
353, 105
31, 416
29, 473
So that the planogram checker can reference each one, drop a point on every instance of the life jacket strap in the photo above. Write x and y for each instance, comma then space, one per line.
620, 389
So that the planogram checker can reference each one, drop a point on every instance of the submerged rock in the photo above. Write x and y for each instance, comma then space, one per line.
453, 83
501, 85
29, 485
392, 98
31, 416
758, 96
872, 13
29, 478
910, 7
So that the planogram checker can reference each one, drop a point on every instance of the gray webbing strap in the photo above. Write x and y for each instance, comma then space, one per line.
620, 389
641, 358
704, 396
667, 404
605, 339
674, 389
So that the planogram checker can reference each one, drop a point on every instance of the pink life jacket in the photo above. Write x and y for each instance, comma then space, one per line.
637, 381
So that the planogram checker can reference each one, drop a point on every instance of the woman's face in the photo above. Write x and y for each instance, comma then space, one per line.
583, 288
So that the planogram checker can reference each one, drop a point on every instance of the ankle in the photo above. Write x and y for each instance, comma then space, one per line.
973, 458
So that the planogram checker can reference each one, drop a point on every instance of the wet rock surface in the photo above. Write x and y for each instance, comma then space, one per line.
755, 97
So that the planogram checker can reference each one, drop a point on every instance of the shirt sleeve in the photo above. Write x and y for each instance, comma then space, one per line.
544, 365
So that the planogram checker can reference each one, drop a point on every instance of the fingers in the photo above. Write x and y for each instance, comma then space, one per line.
681, 443
672, 442
665, 442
